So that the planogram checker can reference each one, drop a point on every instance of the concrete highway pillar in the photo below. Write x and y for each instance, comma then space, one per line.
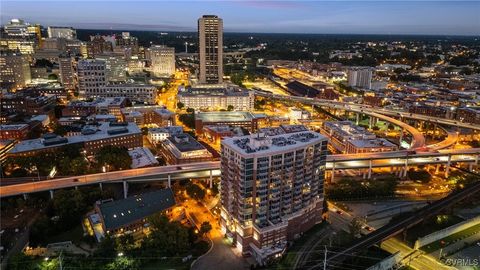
357, 119
76, 187
370, 122
369, 169
25, 196
125, 189
437, 168
169, 180
211, 180
476, 160
405, 169
333, 172
401, 137
470, 166
447, 170
51, 194
101, 186
364, 174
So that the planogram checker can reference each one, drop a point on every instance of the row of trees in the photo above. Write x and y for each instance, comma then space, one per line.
169, 240
64, 212
68, 160
354, 189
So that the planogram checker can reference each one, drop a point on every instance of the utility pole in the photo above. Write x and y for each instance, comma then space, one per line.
325, 259
60, 261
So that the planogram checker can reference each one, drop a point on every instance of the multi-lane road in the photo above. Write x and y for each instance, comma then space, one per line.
390, 230
399, 159
370, 110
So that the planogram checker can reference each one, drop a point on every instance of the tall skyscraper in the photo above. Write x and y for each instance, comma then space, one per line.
163, 60
210, 49
272, 188
360, 77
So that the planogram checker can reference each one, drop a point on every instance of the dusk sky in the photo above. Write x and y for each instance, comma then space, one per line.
330, 17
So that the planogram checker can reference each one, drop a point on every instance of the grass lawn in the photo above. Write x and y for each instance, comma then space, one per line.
75, 235
449, 239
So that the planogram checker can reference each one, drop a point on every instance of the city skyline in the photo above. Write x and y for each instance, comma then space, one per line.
309, 17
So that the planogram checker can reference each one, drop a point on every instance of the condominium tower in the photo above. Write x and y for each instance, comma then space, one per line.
360, 77
210, 49
272, 188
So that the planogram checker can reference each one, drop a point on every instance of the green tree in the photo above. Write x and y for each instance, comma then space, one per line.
205, 228
116, 158
195, 191
123, 263
188, 119
180, 105
52, 77
59, 129
125, 242
230, 108
355, 227
79, 166
106, 248
171, 238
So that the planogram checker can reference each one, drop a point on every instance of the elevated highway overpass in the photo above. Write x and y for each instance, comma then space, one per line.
399, 161
370, 110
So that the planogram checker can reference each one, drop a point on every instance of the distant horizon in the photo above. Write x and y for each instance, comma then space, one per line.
433, 18
277, 33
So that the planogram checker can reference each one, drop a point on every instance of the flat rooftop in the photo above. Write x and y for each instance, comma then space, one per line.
98, 102
185, 142
214, 91
263, 144
13, 127
226, 116
89, 133
372, 143
142, 157
348, 129
169, 130
119, 213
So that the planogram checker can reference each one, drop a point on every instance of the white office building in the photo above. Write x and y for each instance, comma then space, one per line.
116, 67
61, 32
91, 75
217, 98
135, 92
162, 60
360, 77
157, 135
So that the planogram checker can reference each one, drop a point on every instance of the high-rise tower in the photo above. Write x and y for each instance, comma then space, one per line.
210, 49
